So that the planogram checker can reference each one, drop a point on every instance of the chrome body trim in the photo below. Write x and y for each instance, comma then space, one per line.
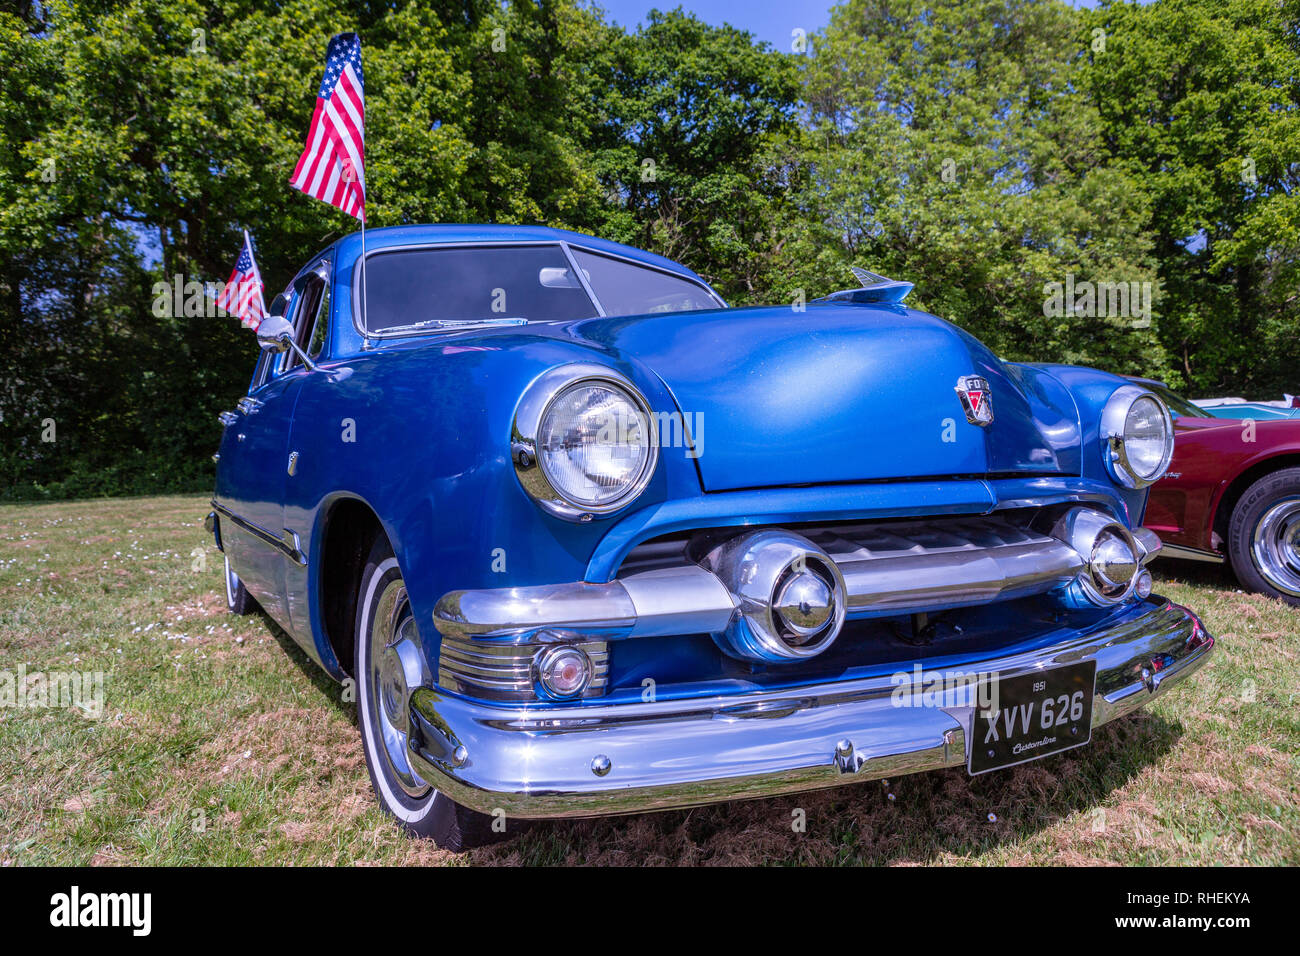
505, 671
1148, 543
1084, 528
1190, 554
581, 275
287, 542
959, 578
592, 759
760, 569
213, 527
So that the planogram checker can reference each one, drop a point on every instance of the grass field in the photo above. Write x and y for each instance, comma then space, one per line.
220, 743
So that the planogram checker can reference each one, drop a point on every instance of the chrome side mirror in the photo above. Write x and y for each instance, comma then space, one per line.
275, 334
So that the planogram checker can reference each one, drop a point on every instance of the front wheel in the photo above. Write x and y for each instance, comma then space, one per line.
389, 664
1264, 536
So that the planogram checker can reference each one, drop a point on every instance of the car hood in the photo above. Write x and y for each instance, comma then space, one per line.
841, 393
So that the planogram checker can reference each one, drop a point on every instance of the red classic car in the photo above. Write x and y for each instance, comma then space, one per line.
1232, 493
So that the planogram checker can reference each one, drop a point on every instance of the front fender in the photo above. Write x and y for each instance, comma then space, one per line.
421, 436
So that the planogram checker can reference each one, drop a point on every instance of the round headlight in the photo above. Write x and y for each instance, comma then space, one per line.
593, 445
583, 444
1139, 437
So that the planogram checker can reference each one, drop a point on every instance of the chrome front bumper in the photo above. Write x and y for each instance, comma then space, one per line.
594, 760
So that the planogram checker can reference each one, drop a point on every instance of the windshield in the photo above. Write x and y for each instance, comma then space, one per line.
625, 288
447, 286
462, 284
1178, 406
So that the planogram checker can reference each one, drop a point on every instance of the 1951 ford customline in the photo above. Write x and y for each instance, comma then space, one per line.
591, 542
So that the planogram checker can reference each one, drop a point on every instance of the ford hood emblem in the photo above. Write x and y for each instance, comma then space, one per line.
976, 399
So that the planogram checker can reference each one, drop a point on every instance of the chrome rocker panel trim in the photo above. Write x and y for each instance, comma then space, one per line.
287, 543
594, 760
1191, 554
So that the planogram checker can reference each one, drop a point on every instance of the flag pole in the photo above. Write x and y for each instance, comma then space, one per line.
257, 274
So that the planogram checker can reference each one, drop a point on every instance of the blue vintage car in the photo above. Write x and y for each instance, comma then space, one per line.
590, 542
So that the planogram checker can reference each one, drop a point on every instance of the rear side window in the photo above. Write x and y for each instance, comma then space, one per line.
625, 288
451, 285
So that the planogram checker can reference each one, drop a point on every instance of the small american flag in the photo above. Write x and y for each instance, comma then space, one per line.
332, 165
241, 296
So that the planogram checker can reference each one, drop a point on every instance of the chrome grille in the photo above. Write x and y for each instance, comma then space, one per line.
901, 566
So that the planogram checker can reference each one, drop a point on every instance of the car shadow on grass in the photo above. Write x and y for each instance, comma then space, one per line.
918, 818
1202, 574
330, 689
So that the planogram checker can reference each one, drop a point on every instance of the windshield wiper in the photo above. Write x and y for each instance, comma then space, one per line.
434, 324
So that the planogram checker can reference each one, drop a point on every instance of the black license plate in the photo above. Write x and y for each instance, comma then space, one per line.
1032, 715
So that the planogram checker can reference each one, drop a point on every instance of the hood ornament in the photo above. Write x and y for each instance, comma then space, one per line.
976, 399
872, 288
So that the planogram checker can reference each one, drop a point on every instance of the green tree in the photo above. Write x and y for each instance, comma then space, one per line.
683, 120
1202, 102
949, 146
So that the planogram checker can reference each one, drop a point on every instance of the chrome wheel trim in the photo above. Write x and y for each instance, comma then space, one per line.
393, 670
232, 584
1275, 546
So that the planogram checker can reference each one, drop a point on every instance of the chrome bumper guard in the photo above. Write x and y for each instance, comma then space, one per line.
593, 759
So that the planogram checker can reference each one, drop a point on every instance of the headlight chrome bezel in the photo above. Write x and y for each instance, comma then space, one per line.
1113, 449
531, 412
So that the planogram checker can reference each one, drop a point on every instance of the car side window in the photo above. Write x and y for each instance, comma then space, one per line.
320, 328
310, 318
267, 361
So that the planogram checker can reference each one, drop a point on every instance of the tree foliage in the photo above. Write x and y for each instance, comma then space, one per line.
982, 149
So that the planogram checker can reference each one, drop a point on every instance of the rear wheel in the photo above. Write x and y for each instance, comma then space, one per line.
388, 665
1264, 536
238, 600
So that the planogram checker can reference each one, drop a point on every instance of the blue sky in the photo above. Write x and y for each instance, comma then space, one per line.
770, 20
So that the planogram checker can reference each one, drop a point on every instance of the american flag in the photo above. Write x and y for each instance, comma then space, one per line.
241, 296
332, 165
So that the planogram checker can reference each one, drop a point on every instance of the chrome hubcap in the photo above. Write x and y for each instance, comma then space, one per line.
395, 668
232, 584
1276, 546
